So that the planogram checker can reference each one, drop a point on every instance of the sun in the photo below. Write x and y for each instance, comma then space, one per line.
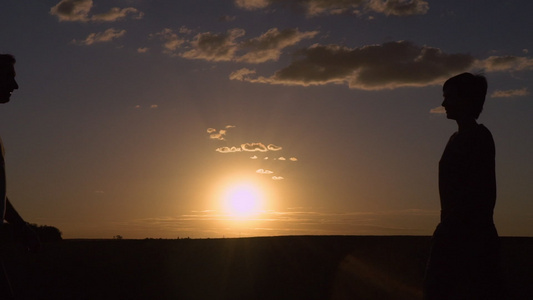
243, 200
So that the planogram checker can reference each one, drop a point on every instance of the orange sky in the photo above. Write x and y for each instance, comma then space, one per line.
135, 118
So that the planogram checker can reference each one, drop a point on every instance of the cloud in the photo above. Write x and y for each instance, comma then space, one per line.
142, 50
219, 134
374, 67
277, 178
399, 7
214, 47
506, 63
228, 47
101, 37
269, 45
252, 4
510, 93
293, 159
171, 40
78, 11
228, 149
438, 110
265, 172
116, 13
252, 147
333, 7
241, 74
273, 147
282, 158
72, 10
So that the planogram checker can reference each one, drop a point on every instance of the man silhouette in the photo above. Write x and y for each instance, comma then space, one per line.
7, 212
464, 258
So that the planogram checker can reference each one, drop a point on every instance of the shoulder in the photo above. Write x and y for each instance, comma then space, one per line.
482, 129
484, 140
484, 134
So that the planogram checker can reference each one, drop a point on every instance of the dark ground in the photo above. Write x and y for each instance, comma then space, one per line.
298, 267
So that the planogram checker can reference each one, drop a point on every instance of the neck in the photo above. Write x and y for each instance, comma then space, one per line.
466, 124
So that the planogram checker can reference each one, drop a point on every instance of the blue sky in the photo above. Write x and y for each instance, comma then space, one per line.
134, 117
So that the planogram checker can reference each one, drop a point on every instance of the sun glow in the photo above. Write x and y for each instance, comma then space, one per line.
243, 200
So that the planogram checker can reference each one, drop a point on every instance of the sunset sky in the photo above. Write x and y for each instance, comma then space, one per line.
148, 118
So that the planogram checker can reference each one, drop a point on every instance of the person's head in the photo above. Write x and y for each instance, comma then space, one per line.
7, 77
464, 96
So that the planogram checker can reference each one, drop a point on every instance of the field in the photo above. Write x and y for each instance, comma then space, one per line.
294, 267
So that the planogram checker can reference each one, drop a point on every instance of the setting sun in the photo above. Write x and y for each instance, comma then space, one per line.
243, 200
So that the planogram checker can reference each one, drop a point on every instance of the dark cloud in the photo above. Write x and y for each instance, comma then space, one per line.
72, 10
374, 67
331, 7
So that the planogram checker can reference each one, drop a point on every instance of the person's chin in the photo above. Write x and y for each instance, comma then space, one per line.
4, 99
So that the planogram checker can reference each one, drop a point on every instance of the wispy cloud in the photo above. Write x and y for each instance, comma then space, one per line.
79, 11
333, 7
214, 47
268, 46
506, 63
228, 46
171, 40
510, 93
438, 110
101, 37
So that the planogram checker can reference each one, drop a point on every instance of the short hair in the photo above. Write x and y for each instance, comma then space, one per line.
471, 88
